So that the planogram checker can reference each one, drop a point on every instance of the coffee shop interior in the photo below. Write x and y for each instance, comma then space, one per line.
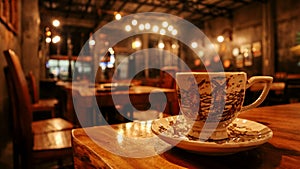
63, 45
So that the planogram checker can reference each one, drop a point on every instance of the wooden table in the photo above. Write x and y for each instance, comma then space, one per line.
282, 151
85, 98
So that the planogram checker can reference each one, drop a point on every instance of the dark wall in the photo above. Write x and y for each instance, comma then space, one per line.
7, 40
288, 24
247, 27
23, 39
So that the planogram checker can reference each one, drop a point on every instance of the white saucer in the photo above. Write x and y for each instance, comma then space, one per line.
243, 135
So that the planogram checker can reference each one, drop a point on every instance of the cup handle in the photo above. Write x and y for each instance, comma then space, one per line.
267, 80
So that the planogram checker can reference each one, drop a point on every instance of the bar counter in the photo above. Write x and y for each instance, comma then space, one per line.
104, 146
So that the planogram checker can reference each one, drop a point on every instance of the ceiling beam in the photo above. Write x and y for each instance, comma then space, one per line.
78, 13
122, 6
78, 22
69, 21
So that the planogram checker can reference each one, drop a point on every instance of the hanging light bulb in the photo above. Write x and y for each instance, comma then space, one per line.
136, 44
48, 40
141, 27
174, 32
92, 42
155, 28
56, 23
165, 24
134, 22
174, 46
194, 45
147, 26
118, 16
56, 39
161, 44
48, 33
162, 32
128, 28
170, 28
220, 38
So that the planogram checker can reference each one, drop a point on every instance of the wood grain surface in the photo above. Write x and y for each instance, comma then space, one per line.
50, 125
104, 146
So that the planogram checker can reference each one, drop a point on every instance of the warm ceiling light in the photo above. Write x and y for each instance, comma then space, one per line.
48, 40
56, 23
226, 63
118, 16
127, 28
92, 42
220, 38
235, 51
48, 33
165, 24
147, 26
174, 32
136, 44
161, 44
162, 32
134, 22
155, 28
141, 27
56, 39
200, 53
170, 28
194, 45
174, 46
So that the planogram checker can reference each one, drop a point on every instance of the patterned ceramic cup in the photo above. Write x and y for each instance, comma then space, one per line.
212, 100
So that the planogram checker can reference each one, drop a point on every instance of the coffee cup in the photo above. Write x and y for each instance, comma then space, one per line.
210, 101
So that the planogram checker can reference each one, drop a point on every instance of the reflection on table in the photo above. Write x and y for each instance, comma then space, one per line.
132, 145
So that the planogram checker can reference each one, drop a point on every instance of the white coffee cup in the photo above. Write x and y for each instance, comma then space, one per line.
212, 100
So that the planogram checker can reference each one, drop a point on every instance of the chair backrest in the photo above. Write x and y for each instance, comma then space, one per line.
14, 120
22, 106
33, 87
167, 76
12, 100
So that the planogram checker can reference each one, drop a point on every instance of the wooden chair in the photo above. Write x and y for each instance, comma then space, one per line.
167, 80
276, 97
34, 142
40, 105
167, 77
